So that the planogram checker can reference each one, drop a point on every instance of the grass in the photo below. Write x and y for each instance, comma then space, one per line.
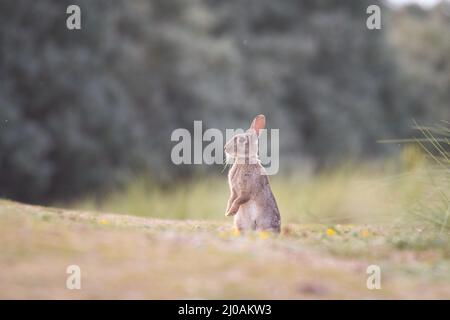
387, 192
176, 243
123, 256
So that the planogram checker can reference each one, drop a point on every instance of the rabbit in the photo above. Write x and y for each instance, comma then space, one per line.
251, 202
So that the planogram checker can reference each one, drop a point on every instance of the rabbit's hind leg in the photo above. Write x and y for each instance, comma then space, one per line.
268, 223
243, 221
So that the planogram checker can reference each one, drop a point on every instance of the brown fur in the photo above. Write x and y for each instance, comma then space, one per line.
251, 199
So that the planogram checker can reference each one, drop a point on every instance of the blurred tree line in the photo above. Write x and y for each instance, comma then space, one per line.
82, 111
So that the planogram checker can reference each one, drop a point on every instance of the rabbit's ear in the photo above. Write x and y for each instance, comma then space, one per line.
258, 123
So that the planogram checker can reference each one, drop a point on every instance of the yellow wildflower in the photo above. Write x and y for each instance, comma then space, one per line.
263, 235
103, 221
331, 232
365, 233
236, 233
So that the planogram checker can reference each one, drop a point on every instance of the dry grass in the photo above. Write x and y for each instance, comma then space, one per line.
178, 244
386, 192
135, 257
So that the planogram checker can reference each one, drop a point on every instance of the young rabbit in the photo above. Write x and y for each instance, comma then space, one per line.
251, 201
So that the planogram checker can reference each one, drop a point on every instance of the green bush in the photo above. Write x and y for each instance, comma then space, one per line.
81, 111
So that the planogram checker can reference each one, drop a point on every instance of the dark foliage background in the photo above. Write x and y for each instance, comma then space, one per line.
83, 111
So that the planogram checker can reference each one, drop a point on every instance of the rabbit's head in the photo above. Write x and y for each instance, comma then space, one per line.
245, 145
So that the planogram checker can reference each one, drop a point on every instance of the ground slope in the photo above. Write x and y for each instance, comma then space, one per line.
124, 256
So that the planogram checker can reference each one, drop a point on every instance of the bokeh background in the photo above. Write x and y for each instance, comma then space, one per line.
85, 114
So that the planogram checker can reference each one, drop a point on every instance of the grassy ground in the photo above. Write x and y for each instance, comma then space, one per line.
394, 190
177, 243
123, 256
